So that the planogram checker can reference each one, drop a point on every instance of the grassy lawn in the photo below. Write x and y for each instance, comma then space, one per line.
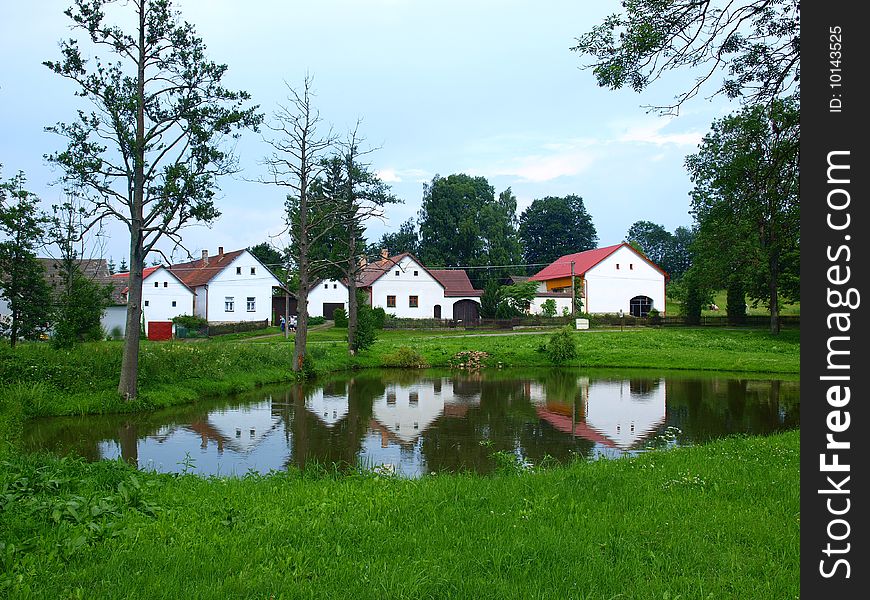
675, 308
714, 521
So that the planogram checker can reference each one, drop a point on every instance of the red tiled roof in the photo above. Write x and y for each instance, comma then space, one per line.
375, 270
455, 282
199, 272
583, 261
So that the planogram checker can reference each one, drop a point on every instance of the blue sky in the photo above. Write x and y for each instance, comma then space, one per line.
485, 88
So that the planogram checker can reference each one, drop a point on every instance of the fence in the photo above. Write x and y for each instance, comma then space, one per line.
595, 321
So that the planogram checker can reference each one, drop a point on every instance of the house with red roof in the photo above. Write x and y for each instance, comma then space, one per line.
164, 296
403, 286
611, 279
229, 287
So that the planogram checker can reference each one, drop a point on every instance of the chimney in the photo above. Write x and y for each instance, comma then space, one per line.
220, 251
205, 257
363, 261
385, 254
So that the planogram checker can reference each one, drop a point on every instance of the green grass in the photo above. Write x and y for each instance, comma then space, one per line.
674, 307
714, 521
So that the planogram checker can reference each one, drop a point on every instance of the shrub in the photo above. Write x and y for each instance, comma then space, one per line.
406, 358
316, 320
548, 308
191, 322
340, 318
562, 347
380, 317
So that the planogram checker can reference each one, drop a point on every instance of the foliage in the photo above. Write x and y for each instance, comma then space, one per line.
746, 201
754, 43
670, 251
339, 317
81, 303
275, 260
22, 278
562, 347
379, 315
192, 322
515, 299
404, 240
548, 307
404, 357
463, 224
555, 226
149, 152
366, 332
489, 299
316, 320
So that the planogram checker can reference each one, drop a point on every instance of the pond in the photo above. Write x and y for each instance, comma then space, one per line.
415, 423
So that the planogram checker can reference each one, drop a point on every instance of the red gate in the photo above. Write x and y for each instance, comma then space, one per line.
159, 330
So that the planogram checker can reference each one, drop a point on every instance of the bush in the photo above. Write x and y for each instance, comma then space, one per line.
548, 308
340, 318
562, 347
365, 324
406, 358
380, 317
191, 322
317, 321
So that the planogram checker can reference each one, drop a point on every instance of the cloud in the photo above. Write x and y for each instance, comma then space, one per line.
403, 175
539, 168
650, 132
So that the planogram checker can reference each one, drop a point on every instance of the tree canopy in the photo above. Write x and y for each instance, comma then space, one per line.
554, 226
753, 44
746, 201
670, 251
148, 153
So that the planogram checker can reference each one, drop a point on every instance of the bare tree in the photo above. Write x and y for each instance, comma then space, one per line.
149, 153
295, 163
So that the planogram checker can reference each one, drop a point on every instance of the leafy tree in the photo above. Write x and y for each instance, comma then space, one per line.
149, 152
463, 224
548, 307
555, 226
79, 298
678, 258
22, 278
755, 44
366, 326
298, 150
746, 197
404, 240
514, 300
670, 251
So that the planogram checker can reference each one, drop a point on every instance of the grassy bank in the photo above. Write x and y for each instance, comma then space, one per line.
39, 381
716, 521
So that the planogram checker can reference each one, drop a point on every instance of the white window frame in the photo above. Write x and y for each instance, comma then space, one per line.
251, 303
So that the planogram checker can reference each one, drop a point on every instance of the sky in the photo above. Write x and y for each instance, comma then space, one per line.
486, 88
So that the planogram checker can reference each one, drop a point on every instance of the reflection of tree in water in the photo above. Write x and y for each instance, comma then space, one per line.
705, 409
642, 388
504, 420
311, 440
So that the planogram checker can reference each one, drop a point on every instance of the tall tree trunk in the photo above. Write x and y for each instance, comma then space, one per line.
774, 295
127, 386
352, 320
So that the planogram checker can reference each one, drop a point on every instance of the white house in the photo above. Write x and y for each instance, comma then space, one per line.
164, 296
612, 279
230, 287
402, 286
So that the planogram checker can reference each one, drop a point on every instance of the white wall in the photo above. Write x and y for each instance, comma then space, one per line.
161, 296
609, 289
238, 282
114, 316
407, 411
427, 289
329, 291
561, 303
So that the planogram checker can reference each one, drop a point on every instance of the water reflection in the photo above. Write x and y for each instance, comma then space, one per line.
420, 423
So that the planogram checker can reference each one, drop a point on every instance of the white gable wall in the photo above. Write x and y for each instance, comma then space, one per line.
164, 297
238, 282
328, 291
536, 308
428, 290
609, 289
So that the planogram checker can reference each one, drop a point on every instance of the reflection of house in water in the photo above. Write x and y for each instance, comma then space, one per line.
239, 429
618, 415
405, 411
330, 408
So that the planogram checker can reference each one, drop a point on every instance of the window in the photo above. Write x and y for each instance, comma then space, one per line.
631, 266
173, 304
253, 270
391, 398
165, 284
238, 270
416, 273
413, 301
391, 302
617, 266
156, 284
326, 286
335, 286
397, 273
146, 303
252, 304
229, 304
413, 398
